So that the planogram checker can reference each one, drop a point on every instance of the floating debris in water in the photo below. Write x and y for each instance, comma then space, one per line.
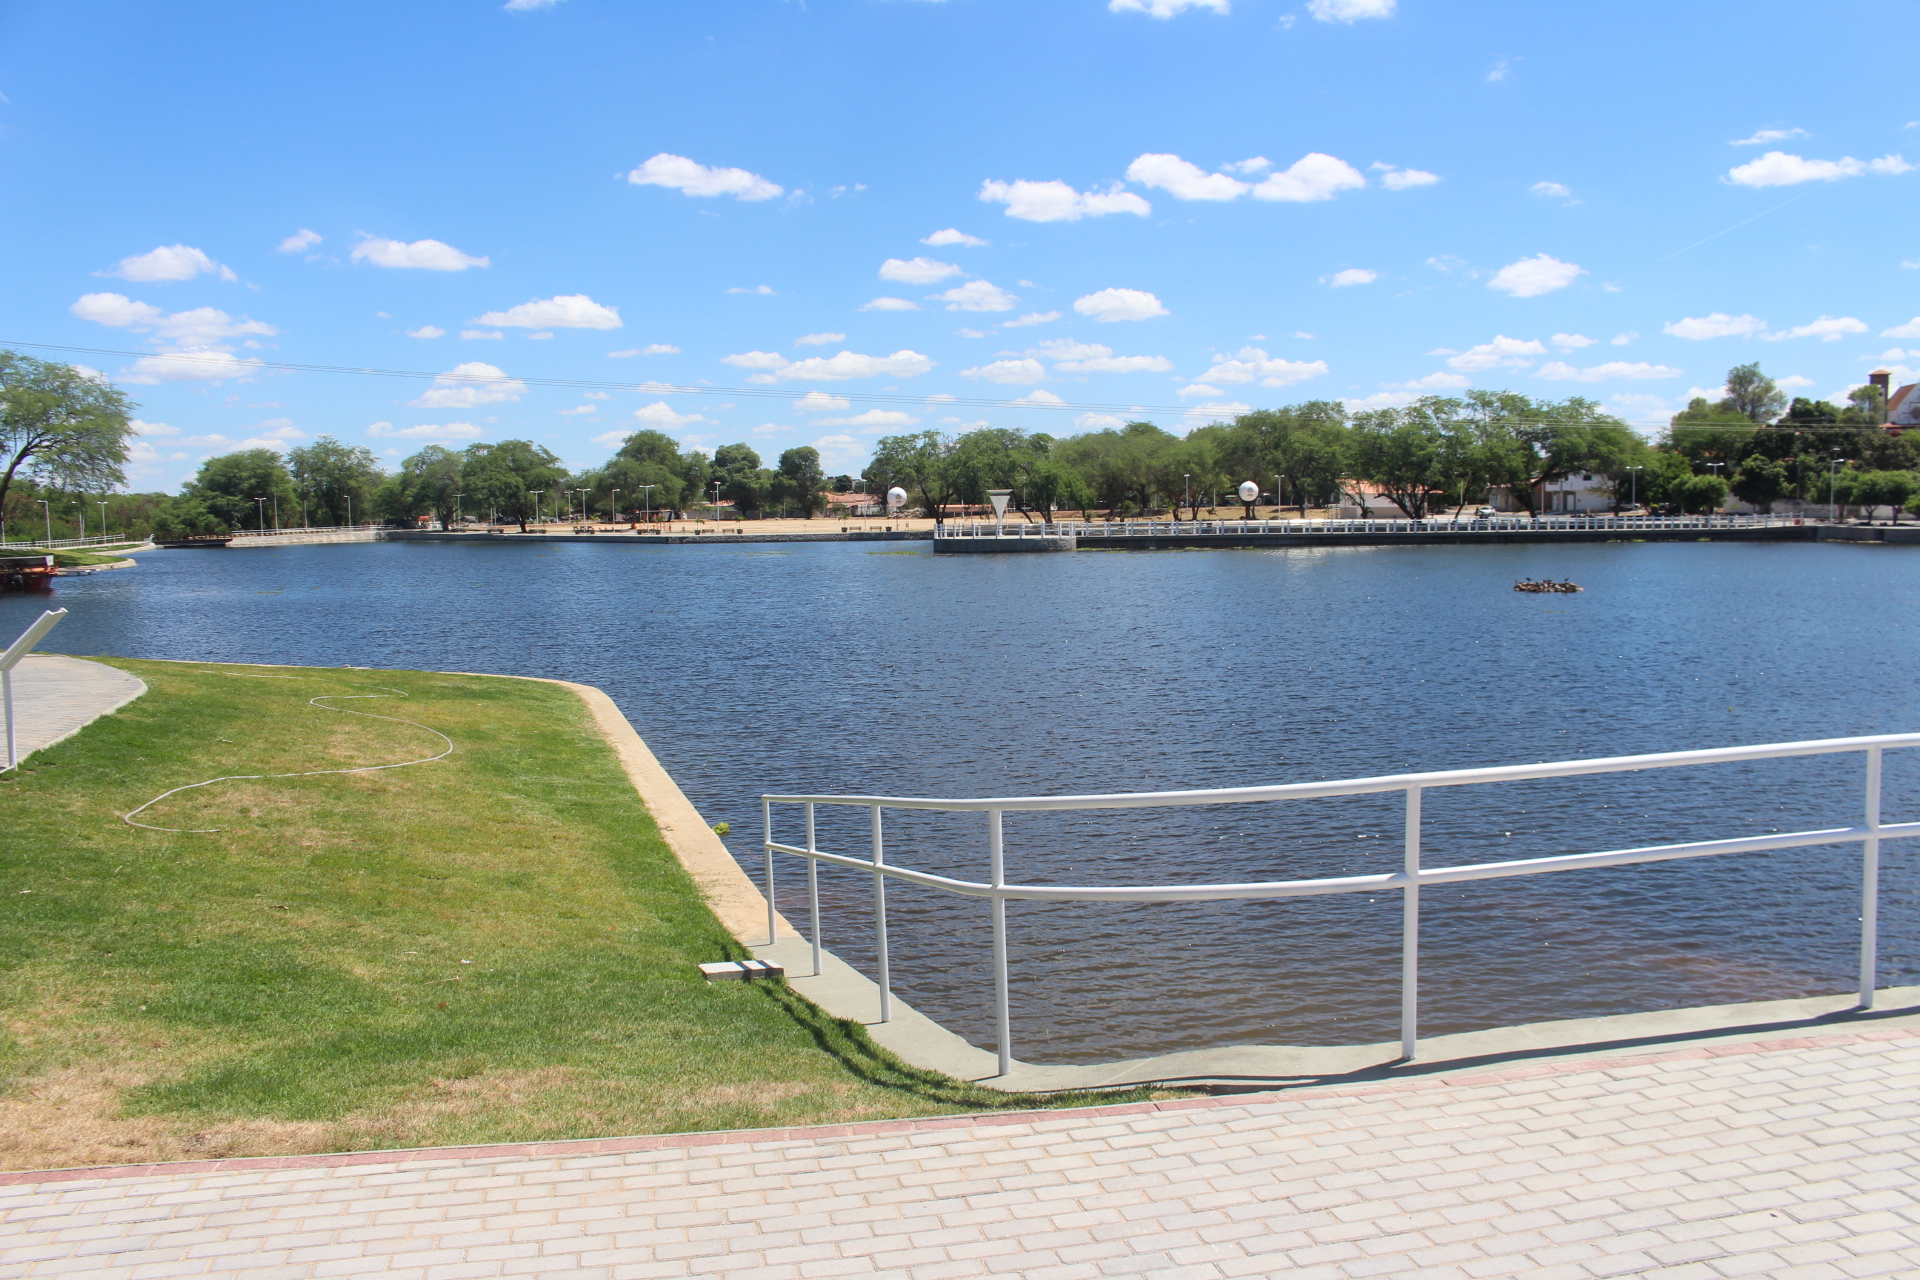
1546, 586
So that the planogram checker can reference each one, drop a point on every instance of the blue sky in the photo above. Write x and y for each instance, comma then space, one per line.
1059, 213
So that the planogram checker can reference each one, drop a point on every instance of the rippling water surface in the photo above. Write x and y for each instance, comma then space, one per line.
842, 668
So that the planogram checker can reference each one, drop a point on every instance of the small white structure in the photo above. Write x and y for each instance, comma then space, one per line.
1581, 491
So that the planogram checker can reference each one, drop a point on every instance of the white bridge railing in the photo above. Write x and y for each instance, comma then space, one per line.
1408, 880
1013, 528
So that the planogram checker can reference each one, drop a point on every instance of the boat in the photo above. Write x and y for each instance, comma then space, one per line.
26, 573
1546, 586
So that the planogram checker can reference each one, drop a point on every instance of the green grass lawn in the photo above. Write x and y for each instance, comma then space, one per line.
495, 947
84, 559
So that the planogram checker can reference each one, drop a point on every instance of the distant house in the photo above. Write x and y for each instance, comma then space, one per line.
1903, 403
1581, 491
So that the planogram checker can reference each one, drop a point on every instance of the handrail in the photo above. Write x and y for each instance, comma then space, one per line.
1408, 880
1505, 523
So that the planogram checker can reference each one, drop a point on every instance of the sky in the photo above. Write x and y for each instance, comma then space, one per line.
822, 222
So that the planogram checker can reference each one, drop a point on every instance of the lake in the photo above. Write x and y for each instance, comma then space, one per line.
846, 668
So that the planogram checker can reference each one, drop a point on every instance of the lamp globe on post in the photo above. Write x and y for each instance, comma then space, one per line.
1249, 494
896, 499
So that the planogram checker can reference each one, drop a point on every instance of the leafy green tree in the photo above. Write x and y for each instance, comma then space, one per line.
426, 484
336, 479
502, 477
222, 495
60, 426
1760, 482
655, 474
916, 463
799, 481
742, 480
1401, 452
1871, 489
1700, 495
1752, 394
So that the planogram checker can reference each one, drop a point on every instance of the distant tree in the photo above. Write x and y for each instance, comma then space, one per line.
1400, 451
60, 426
799, 481
336, 478
742, 480
1760, 482
222, 495
916, 463
426, 484
1871, 489
502, 477
1753, 395
1700, 495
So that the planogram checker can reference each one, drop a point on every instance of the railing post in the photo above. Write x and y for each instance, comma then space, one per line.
1870, 886
766, 826
880, 921
1002, 1006
1410, 933
813, 890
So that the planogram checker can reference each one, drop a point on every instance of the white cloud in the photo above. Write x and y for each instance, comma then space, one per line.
1557, 371
677, 173
578, 410
841, 453
821, 402
541, 336
1012, 372
1098, 421
421, 255
1164, 8
528, 6
1407, 179
1314, 176
977, 295
596, 395
1435, 382
566, 311
470, 384
299, 241
1779, 169
1184, 180
1502, 353
427, 431
152, 428
427, 331
891, 304
1531, 277
953, 235
661, 416
1554, 190
1349, 10
873, 420
1622, 339
1911, 329
1057, 202
1769, 135
1109, 305
1826, 328
1717, 325
1382, 400
195, 330
917, 270
1031, 318
117, 311
1217, 411
202, 365
1068, 349
759, 290
1793, 382
483, 335
1250, 363
1040, 396
168, 262
756, 360
1198, 389
1110, 363
818, 339
1500, 71
848, 364
1571, 341
1352, 276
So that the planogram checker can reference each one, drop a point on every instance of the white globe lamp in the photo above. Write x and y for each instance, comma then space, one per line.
896, 498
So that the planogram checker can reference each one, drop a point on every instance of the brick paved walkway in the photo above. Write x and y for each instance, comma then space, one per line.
1785, 1159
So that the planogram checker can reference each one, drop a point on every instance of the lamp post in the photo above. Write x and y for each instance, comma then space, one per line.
456, 507
646, 502
47, 511
716, 499
1189, 480
260, 508
349, 511
1833, 474
1279, 494
103, 517
539, 515
612, 513
276, 513
1633, 474
81, 507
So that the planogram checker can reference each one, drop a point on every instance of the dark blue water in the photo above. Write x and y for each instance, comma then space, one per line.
841, 668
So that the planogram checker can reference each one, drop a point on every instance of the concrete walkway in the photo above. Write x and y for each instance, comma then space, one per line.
1791, 1159
55, 697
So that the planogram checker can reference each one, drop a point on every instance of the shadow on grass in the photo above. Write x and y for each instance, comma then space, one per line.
847, 1042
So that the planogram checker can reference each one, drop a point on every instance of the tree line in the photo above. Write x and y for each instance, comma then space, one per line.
66, 435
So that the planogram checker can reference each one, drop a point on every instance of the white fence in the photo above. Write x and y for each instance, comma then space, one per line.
293, 529
1495, 524
66, 544
1408, 880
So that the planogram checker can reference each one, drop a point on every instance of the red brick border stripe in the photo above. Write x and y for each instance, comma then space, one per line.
872, 1128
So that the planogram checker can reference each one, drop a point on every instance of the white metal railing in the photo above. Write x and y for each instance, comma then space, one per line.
1359, 525
62, 544
1408, 880
292, 529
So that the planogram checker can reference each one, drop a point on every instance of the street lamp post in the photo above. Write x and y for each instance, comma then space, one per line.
1833, 475
646, 503
349, 511
613, 516
103, 517
1189, 480
1633, 474
456, 508
260, 507
539, 513
47, 511
81, 507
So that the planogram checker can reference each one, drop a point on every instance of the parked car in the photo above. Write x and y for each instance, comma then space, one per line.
1484, 513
